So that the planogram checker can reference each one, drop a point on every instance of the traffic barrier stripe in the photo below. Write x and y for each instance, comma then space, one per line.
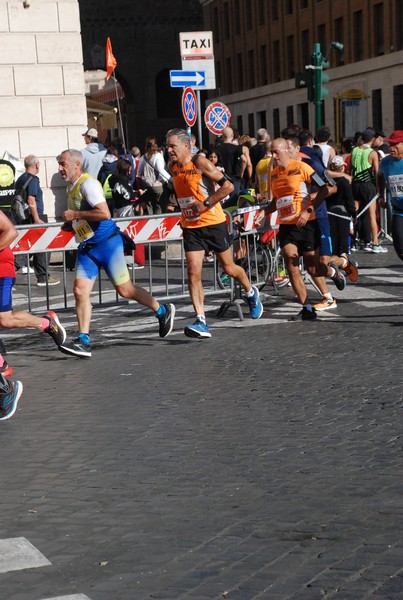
41, 238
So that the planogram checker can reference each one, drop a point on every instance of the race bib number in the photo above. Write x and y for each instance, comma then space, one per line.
83, 230
186, 211
285, 207
396, 185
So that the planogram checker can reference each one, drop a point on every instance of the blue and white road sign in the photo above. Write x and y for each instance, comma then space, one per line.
194, 79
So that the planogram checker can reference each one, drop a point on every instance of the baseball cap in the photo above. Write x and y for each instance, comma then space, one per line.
337, 161
379, 134
368, 133
396, 137
92, 132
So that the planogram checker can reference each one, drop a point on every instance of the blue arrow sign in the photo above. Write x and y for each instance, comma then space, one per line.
188, 78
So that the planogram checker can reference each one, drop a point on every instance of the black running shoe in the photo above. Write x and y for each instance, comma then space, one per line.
167, 320
338, 278
77, 348
305, 315
55, 329
9, 400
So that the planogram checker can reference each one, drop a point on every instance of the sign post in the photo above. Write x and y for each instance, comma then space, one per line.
189, 106
196, 49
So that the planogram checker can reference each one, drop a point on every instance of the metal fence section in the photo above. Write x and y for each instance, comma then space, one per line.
163, 274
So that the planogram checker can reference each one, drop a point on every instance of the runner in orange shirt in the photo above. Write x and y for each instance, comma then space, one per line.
204, 225
291, 183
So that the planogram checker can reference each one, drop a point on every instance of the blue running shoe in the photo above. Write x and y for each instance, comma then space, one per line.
9, 400
255, 306
78, 347
197, 330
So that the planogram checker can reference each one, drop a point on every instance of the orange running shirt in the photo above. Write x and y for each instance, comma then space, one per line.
290, 188
190, 186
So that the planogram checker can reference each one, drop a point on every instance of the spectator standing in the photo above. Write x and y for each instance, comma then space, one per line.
152, 175
322, 139
122, 153
93, 153
35, 201
233, 160
258, 152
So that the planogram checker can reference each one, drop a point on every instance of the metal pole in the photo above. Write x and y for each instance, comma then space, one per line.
318, 82
199, 122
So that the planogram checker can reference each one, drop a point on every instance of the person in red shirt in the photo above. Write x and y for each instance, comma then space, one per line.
9, 319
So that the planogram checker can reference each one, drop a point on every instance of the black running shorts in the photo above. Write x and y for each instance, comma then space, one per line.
306, 238
211, 237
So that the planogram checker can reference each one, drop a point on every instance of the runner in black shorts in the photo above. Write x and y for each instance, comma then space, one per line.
307, 238
204, 225
210, 238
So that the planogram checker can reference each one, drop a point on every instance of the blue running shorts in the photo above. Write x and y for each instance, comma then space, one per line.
109, 255
6, 301
325, 239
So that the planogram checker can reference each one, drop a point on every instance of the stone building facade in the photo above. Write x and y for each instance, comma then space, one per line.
42, 103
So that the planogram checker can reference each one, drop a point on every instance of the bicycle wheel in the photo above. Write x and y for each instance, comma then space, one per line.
258, 265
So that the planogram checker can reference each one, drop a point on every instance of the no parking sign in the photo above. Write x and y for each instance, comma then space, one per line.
189, 106
217, 116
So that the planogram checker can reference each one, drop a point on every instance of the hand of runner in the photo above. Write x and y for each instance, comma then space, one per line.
259, 217
303, 218
197, 208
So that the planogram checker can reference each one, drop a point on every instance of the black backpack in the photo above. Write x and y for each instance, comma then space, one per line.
19, 205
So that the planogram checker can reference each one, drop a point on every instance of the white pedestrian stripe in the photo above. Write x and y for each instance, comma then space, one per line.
19, 553
71, 597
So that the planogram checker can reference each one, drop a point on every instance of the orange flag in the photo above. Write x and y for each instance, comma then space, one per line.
111, 62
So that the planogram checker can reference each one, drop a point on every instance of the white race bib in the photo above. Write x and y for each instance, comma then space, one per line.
83, 230
187, 212
286, 208
396, 185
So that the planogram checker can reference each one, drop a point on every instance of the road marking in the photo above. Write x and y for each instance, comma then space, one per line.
19, 553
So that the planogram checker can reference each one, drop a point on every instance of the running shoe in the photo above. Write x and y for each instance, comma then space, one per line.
368, 248
378, 249
77, 347
255, 305
199, 329
167, 320
6, 370
350, 269
325, 304
55, 329
338, 278
305, 315
9, 401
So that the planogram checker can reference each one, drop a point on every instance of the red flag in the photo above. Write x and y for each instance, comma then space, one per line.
111, 63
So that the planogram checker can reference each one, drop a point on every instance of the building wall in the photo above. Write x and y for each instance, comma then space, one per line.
42, 103
259, 47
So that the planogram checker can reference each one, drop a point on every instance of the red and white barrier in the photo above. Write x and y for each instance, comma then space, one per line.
53, 238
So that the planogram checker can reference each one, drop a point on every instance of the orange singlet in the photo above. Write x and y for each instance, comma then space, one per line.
290, 189
189, 186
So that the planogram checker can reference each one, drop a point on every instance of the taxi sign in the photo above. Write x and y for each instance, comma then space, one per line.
217, 116
189, 106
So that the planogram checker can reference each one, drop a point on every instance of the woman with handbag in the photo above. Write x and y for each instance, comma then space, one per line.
152, 175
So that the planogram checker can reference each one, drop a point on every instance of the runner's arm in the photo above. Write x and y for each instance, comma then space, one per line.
8, 232
207, 169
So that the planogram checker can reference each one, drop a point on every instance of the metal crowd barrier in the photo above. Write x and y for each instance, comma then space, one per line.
164, 272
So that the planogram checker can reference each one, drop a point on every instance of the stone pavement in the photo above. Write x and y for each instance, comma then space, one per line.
264, 463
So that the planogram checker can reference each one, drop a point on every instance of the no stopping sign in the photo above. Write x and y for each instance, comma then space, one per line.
189, 106
217, 116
